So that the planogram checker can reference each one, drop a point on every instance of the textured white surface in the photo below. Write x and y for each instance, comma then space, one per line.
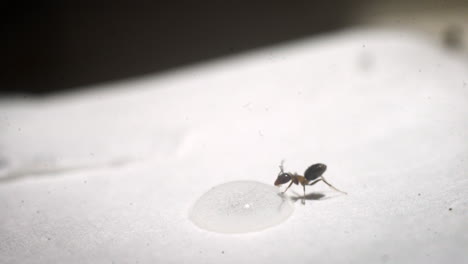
110, 174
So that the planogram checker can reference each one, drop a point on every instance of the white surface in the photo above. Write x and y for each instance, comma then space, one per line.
110, 174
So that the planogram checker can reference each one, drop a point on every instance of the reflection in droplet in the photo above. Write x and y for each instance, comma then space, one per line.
241, 206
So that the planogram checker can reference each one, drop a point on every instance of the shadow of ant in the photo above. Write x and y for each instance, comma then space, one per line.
315, 196
310, 196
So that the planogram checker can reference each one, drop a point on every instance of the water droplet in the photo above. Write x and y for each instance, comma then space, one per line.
241, 206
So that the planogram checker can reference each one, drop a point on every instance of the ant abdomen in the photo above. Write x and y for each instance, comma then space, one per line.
315, 171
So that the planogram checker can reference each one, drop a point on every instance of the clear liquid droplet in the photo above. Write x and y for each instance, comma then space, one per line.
241, 206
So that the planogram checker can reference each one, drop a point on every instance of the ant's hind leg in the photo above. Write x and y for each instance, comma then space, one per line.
287, 187
314, 182
331, 186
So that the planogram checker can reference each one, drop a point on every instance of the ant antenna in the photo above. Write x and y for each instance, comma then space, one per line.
281, 166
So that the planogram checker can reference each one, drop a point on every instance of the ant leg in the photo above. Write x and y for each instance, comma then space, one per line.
303, 197
314, 182
288, 187
333, 187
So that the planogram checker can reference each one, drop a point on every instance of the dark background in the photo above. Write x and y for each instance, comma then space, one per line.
50, 46
55, 45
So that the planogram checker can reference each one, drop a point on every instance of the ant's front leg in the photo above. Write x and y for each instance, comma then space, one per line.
288, 187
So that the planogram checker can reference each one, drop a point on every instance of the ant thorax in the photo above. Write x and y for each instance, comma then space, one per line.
295, 179
300, 179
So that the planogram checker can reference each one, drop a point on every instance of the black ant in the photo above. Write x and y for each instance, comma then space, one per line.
312, 175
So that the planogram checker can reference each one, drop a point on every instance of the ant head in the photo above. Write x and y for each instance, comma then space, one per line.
315, 171
282, 178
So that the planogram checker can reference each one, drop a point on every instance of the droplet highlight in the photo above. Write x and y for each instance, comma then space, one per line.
240, 207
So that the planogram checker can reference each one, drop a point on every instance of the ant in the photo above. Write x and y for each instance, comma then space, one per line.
312, 175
